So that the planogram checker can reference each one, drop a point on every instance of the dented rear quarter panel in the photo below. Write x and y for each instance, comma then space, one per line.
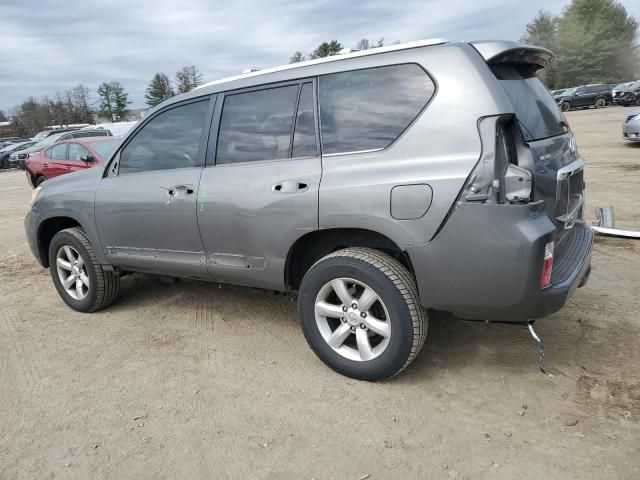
439, 149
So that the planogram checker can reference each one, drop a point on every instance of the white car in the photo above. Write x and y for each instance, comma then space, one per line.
117, 129
631, 127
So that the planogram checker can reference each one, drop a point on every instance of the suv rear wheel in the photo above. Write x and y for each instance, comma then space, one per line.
80, 280
600, 103
359, 311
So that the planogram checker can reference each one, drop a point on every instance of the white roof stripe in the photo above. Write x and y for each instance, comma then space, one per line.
332, 58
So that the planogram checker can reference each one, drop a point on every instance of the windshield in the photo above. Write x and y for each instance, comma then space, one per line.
45, 142
633, 86
537, 113
103, 148
41, 135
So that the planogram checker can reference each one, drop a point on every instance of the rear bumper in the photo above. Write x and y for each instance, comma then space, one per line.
486, 263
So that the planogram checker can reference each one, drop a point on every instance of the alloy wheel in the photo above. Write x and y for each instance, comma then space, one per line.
352, 319
72, 272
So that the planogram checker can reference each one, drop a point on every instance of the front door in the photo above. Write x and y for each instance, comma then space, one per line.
262, 193
75, 155
145, 206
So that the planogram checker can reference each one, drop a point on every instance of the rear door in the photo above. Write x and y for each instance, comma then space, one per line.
54, 162
259, 192
145, 206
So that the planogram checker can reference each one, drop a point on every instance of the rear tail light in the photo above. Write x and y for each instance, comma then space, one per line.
547, 266
565, 122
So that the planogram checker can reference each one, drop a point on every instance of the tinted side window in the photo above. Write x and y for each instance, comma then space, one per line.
256, 125
76, 152
58, 152
368, 109
304, 135
170, 140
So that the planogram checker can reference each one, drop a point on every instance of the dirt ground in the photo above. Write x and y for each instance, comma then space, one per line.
190, 380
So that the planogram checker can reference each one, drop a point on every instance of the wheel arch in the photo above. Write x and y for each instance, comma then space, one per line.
312, 246
47, 230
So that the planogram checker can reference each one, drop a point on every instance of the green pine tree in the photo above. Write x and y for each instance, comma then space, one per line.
159, 90
326, 49
596, 42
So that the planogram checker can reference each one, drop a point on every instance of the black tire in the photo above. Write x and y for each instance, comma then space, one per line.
104, 286
600, 103
39, 179
565, 106
393, 284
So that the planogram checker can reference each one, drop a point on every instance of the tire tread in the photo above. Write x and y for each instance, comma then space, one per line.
108, 282
404, 282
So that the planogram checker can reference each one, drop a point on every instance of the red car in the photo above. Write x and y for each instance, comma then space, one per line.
68, 156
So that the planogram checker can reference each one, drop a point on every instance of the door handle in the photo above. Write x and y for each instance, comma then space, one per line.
172, 191
291, 186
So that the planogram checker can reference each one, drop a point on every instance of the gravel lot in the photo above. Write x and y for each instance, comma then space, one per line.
190, 380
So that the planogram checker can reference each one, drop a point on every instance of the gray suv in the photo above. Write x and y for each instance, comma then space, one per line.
377, 185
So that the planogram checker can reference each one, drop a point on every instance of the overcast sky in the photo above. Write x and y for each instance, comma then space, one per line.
52, 45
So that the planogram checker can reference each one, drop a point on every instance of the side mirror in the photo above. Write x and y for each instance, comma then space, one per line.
88, 158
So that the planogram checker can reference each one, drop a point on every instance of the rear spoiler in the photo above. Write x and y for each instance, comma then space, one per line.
496, 52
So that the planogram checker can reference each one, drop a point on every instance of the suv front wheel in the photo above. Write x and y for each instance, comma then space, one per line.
80, 280
360, 313
565, 106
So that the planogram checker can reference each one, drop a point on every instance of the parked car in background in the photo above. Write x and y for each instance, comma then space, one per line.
631, 127
352, 180
47, 133
7, 141
597, 96
116, 128
68, 156
631, 95
13, 147
17, 158
616, 92
559, 92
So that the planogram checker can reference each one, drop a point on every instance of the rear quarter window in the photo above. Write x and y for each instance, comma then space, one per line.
368, 109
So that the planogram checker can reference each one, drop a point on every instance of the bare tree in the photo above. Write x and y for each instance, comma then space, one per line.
187, 79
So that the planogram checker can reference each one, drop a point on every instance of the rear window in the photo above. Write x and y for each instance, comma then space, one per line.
368, 109
257, 125
537, 113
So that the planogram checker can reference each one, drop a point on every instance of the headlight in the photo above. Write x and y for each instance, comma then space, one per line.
34, 194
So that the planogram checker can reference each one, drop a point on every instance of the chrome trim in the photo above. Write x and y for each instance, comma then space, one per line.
570, 169
337, 154
569, 218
